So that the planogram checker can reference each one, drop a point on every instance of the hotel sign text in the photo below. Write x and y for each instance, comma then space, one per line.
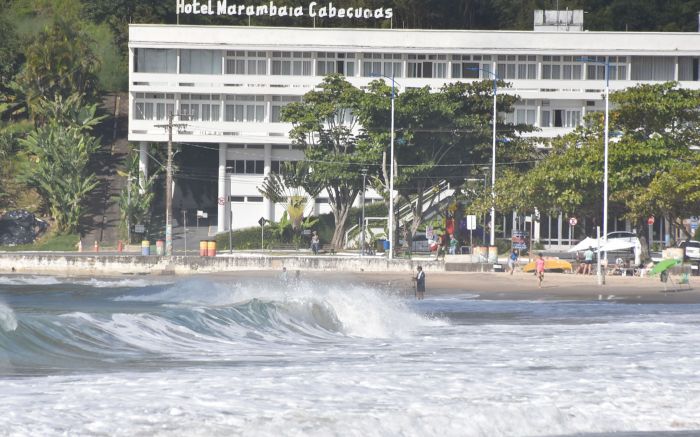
222, 7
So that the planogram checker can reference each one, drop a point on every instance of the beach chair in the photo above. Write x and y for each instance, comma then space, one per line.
681, 282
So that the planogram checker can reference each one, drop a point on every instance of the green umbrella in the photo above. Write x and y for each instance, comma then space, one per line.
663, 265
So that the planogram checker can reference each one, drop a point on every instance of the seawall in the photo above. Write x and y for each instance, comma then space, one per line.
71, 264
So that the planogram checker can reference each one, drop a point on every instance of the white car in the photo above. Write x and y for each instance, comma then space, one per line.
692, 249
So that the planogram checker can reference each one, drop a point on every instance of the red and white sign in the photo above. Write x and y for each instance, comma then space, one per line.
650, 220
222, 201
573, 221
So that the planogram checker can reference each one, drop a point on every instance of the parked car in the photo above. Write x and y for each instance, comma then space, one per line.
624, 236
692, 249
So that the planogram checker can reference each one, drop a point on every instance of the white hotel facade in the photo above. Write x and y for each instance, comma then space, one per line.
233, 82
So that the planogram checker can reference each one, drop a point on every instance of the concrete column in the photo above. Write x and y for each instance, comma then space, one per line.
222, 216
560, 227
143, 165
268, 206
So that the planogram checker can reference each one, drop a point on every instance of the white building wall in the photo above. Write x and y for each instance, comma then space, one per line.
211, 89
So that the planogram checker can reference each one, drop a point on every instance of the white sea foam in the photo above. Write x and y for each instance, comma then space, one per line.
8, 321
119, 283
563, 369
28, 280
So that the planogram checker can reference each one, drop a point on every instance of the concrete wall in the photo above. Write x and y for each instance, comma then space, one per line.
117, 265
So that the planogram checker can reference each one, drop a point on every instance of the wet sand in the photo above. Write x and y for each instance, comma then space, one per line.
556, 286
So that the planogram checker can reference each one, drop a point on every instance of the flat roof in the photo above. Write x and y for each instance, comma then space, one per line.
418, 40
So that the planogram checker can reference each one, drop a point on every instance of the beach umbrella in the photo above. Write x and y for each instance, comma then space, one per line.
663, 265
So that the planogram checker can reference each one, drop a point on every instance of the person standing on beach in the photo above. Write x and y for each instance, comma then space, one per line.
513, 260
539, 270
420, 283
588, 261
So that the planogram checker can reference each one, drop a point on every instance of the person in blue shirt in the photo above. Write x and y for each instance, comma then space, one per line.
513, 260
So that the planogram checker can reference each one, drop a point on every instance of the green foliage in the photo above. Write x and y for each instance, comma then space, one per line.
60, 62
439, 137
60, 152
652, 170
324, 124
293, 187
135, 201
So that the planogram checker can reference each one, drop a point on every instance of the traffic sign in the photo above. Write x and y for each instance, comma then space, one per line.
650, 220
471, 222
221, 201
262, 221
573, 221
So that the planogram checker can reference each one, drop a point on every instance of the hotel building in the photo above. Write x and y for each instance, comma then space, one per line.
232, 83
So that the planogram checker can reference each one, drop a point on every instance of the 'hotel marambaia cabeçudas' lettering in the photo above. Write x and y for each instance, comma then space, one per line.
221, 7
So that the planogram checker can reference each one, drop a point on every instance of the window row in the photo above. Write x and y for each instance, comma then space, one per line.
209, 107
251, 166
456, 66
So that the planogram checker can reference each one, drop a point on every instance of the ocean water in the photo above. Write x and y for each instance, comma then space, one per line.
249, 356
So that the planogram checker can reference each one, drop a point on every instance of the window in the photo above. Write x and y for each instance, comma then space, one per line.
244, 108
652, 68
279, 102
153, 106
427, 66
516, 67
200, 61
241, 62
595, 67
471, 66
329, 63
155, 61
688, 68
560, 118
561, 68
291, 63
200, 107
239, 166
382, 64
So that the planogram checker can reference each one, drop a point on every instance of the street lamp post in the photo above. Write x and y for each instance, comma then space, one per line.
391, 167
493, 151
601, 277
362, 224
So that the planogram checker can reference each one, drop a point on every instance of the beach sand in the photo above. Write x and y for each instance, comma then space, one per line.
503, 286
556, 286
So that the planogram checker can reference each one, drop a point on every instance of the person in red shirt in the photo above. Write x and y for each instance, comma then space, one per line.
539, 270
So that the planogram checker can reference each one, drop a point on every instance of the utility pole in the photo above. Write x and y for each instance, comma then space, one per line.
169, 184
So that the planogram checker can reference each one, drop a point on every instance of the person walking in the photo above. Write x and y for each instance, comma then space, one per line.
539, 270
513, 260
453, 244
315, 243
420, 283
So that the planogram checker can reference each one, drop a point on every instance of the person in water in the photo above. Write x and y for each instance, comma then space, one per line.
420, 283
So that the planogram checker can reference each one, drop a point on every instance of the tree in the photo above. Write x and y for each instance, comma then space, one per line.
294, 187
325, 123
440, 137
60, 152
136, 198
651, 163
60, 62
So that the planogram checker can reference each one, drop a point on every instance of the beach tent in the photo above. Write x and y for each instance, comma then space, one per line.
585, 244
